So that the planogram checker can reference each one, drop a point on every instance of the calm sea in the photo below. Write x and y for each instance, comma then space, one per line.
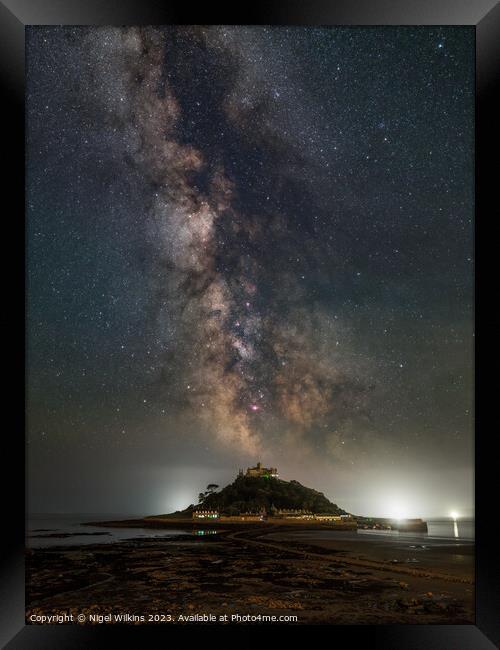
437, 529
40, 528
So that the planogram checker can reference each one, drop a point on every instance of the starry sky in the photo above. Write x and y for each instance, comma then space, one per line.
250, 243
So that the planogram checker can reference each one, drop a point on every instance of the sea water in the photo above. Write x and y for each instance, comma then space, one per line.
461, 529
39, 529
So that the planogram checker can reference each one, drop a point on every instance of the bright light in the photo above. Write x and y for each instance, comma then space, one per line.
397, 501
454, 515
397, 511
177, 498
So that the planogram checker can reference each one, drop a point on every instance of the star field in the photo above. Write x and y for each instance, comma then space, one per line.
250, 242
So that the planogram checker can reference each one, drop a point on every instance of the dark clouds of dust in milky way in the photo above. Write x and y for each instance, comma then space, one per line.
242, 354
266, 234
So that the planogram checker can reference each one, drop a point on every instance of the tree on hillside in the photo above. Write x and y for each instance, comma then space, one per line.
248, 494
211, 487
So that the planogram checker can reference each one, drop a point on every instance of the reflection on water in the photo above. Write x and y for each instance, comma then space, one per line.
438, 528
66, 530
44, 531
458, 528
206, 532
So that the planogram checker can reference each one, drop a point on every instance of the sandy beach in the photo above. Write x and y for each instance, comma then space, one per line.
319, 578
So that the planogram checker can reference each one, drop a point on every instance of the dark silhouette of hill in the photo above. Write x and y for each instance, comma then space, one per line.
251, 494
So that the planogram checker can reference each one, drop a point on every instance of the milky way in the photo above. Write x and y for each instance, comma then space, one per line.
258, 239
250, 346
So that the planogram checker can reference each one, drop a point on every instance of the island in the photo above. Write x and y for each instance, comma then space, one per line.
259, 547
260, 496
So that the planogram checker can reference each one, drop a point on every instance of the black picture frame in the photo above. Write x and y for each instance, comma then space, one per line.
484, 15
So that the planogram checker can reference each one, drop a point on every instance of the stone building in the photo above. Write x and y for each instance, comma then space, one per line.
205, 514
244, 516
293, 514
328, 517
258, 470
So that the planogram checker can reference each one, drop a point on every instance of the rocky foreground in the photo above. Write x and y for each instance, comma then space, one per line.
244, 573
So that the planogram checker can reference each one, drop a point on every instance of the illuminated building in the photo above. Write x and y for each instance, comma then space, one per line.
205, 514
264, 472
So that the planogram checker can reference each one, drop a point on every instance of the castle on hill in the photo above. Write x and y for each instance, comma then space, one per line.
258, 470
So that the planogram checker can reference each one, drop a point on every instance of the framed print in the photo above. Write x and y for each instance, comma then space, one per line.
252, 254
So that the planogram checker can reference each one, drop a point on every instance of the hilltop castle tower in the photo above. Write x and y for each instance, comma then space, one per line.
265, 472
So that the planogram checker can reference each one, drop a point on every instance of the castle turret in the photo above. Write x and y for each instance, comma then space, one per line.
259, 470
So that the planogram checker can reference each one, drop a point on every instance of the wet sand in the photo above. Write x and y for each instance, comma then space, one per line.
257, 570
444, 556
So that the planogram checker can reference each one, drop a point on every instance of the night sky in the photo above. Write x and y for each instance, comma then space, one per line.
250, 243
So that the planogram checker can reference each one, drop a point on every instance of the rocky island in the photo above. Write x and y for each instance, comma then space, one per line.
260, 547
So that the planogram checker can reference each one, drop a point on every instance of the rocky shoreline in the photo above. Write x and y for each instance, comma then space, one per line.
240, 572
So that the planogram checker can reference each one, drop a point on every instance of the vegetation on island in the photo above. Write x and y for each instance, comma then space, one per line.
252, 494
